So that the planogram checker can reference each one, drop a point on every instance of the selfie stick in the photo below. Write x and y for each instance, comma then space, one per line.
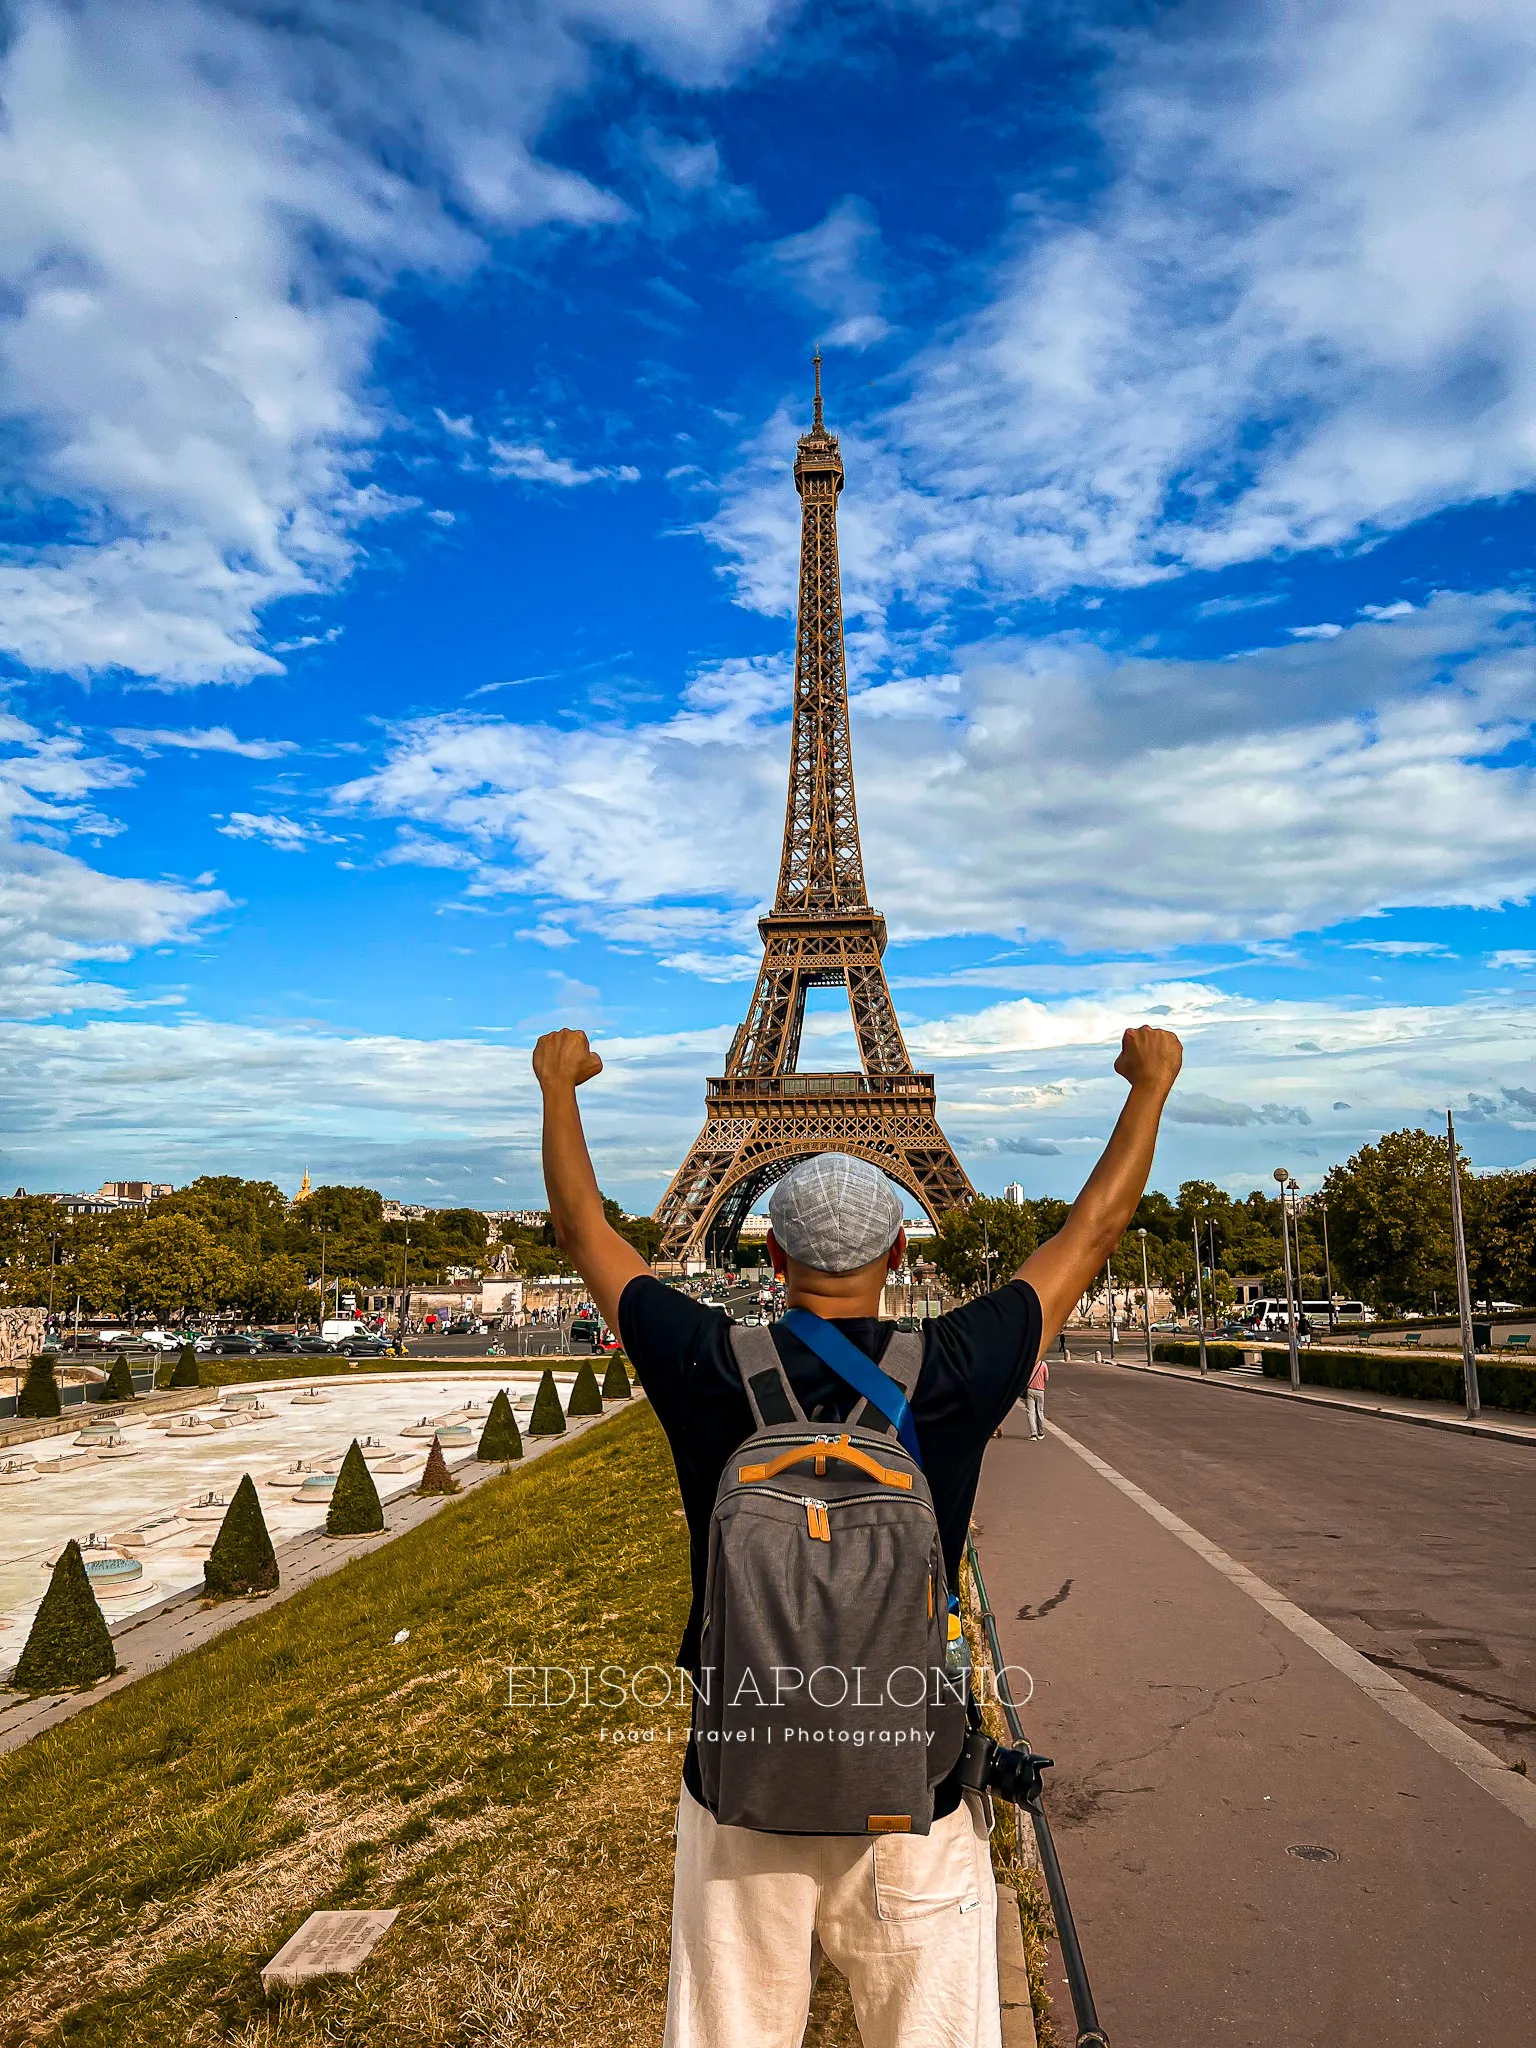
1089, 2033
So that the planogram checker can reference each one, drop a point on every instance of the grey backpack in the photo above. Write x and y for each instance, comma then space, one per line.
828, 1701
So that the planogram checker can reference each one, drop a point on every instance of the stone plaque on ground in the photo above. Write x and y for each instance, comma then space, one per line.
327, 1945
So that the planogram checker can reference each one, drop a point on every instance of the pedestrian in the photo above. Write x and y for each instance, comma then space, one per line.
899, 1897
1034, 1400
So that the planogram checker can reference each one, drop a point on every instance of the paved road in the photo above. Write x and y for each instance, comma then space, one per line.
1200, 1743
1415, 1546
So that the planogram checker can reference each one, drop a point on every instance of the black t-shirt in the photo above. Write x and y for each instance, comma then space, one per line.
976, 1363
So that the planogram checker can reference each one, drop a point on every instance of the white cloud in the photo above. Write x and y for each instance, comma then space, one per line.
57, 912
1512, 956
834, 268
1402, 949
210, 739
287, 835
1043, 789
1022, 1079
204, 206
1294, 313
535, 465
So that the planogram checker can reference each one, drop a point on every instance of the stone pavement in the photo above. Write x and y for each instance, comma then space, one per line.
156, 1635
1255, 1851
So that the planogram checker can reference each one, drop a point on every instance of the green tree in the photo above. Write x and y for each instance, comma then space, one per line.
355, 1508
272, 1288
616, 1385
1389, 1220
39, 1396
501, 1440
242, 1559
187, 1373
548, 1418
170, 1266
120, 1385
69, 1643
966, 1237
586, 1396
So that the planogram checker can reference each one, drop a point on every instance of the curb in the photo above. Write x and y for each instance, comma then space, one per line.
167, 1629
1457, 1425
1013, 1973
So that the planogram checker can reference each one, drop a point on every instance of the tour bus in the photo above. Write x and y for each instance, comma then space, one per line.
1271, 1314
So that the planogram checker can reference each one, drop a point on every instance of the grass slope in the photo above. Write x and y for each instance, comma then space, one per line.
155, 1851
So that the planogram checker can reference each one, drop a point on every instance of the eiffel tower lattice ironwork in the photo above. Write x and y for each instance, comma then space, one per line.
762, 1113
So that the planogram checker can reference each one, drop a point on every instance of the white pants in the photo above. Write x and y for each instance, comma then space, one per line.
1034, 1409
909, 1920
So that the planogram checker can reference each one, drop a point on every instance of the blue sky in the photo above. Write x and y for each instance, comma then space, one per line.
397, 557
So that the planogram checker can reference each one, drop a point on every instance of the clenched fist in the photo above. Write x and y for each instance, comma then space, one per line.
1149, 1058
564, 1059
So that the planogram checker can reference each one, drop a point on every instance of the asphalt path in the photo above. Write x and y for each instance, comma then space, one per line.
1256, 1851
1416, 1546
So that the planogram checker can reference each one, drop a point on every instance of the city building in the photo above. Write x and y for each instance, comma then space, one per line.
1014, 1193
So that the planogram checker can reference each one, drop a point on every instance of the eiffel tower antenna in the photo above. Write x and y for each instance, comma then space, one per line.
762, 1113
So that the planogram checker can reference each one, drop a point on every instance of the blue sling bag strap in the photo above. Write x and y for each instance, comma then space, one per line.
862, 1374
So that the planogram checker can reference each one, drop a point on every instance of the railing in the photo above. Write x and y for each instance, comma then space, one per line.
789, 1087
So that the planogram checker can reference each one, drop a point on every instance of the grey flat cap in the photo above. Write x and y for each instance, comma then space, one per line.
835, 1213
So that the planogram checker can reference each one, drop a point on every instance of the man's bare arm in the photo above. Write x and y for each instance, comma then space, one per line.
1065, 1265
562, 1060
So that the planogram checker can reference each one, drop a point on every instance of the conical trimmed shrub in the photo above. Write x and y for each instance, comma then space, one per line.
501, 1440
120, 1385
616, 1380
355, 1509
548, 1418
437, 1478
70, 1644
186, 1373
242, 1559
39, 1397
586, 1395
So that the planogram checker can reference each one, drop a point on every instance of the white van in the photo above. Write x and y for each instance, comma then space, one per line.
336, 1329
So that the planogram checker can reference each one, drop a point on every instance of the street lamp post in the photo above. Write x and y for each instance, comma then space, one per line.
1333, 1314
1146, 1295
1109, 1283
1282, 1174
1463, 1286
405, 1289
1200, 1301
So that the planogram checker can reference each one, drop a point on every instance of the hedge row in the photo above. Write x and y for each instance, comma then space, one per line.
1403, 1374
1219, 1357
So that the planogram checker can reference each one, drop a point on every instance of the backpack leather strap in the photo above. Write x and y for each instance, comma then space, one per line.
769, 1394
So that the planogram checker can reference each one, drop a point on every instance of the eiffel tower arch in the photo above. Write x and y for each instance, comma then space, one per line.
762, 1113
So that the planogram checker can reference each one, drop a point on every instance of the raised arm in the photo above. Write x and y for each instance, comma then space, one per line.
562, 1060
1065, 1265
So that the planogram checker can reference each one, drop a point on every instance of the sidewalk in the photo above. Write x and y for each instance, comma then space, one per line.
157, 1635
1255, 1850
1505, 1425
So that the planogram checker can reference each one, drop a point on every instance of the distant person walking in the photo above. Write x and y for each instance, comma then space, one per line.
1034, 1400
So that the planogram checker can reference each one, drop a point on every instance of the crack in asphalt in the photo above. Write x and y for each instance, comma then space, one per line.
1470, 1692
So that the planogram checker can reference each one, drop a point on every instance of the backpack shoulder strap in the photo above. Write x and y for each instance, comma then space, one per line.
766, 1384
902, 1362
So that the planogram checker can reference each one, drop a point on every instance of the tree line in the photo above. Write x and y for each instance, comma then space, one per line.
227, 1246
1387, 1213
224, 1245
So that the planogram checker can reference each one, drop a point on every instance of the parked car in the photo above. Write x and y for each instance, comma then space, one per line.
233, 1347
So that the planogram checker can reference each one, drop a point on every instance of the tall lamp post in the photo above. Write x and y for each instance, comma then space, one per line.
1282, 1174
1333, 1314
1146, 1295
1109, 1282
1463, 1286
405, 1290
1200, 1299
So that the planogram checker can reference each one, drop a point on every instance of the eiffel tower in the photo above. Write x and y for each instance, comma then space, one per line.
762, 1113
